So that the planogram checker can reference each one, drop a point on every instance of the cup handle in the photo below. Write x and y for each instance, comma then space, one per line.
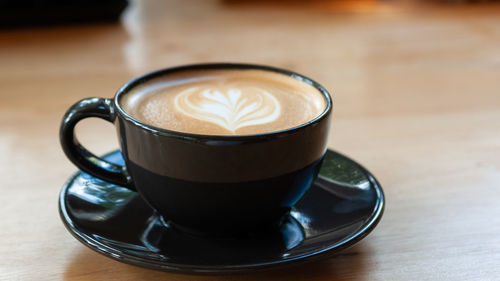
81, 157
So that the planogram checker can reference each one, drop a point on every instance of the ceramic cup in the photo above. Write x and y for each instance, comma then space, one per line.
205, 183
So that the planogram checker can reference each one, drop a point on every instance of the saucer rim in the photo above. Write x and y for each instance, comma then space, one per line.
115, 254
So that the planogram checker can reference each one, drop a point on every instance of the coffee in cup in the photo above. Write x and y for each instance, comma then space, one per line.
224, 102
213, 148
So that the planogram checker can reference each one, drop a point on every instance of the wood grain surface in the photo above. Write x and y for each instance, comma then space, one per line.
416, 100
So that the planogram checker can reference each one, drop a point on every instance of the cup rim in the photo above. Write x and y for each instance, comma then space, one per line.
221, 66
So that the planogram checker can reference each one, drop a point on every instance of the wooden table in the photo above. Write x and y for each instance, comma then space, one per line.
417, 101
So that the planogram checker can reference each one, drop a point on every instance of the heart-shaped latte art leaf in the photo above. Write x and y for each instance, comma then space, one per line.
231, 108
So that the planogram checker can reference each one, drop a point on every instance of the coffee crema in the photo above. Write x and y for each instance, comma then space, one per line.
224, 102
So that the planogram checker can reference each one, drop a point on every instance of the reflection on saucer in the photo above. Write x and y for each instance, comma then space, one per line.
343, 206
165, 239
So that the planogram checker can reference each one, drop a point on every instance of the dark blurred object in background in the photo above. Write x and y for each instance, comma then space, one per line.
20, 13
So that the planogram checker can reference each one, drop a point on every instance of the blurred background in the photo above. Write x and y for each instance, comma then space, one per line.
380, 59
416, 90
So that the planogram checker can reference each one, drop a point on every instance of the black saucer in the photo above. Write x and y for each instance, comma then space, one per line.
343, 206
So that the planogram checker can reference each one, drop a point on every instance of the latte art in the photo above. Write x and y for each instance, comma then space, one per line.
224, 102
231, 109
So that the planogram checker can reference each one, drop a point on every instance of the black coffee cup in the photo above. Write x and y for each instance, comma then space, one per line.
205, 183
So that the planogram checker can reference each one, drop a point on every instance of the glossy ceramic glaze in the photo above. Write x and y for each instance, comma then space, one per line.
343, 206
207, 183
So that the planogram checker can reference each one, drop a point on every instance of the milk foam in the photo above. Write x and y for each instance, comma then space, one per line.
231, 109
225, 102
